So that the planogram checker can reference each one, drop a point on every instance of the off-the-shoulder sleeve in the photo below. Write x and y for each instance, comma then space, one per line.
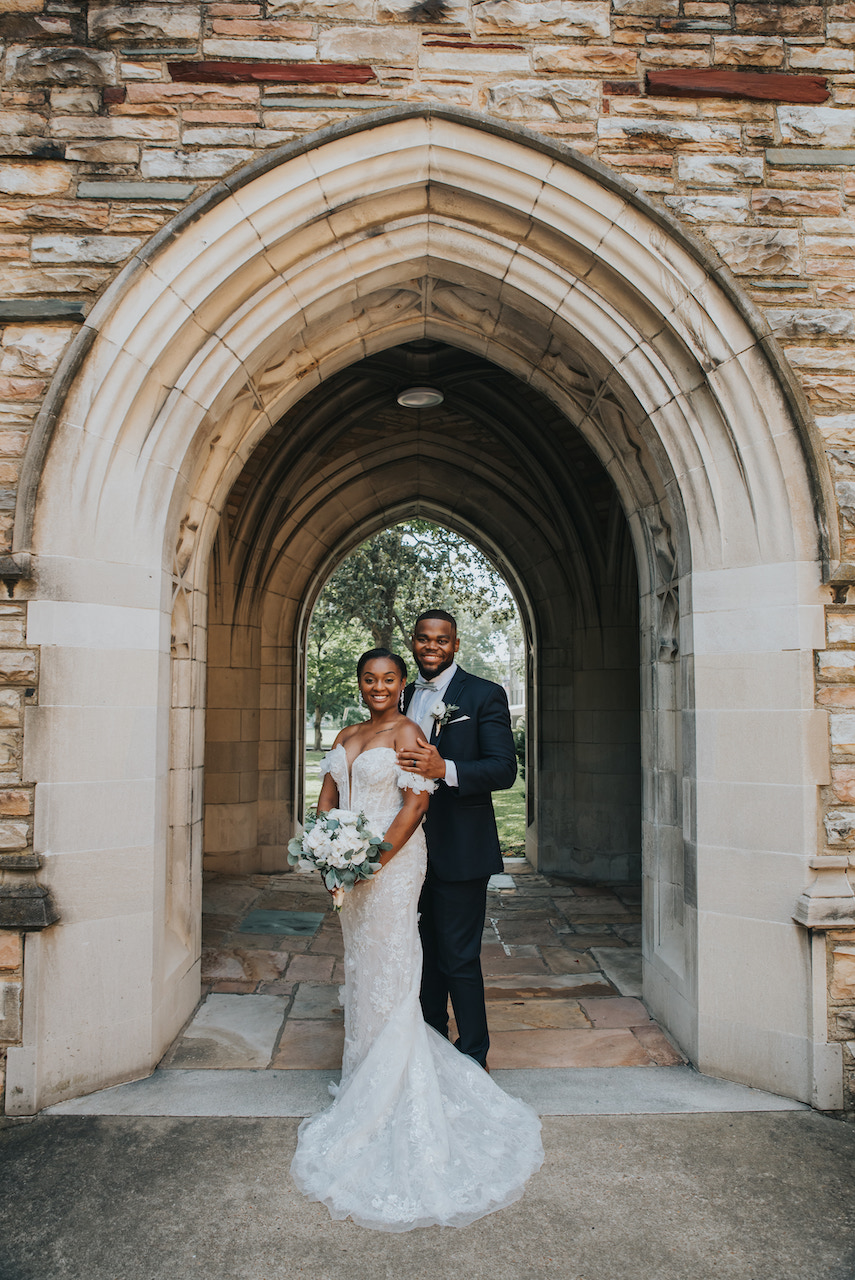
413, 782
325, 766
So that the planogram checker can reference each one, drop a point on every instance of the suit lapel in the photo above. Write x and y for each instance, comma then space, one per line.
454, 689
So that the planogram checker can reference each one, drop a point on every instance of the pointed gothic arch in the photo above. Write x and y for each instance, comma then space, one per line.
420, 224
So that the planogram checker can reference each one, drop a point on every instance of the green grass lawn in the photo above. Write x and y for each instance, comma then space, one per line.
509, 805
313, 780
510, 817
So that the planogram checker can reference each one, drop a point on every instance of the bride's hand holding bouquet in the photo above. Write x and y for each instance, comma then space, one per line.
341, 845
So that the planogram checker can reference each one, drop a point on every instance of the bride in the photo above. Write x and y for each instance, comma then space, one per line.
418, 1134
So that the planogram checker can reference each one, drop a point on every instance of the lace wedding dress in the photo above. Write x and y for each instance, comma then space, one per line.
418, 1134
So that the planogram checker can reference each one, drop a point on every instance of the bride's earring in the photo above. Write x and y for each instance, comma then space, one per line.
401, 702
361, 701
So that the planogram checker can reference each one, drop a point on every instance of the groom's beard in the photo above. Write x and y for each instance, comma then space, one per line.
431, 675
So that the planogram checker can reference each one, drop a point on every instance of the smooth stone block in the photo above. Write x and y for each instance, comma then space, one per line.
14, 309
553, 1048
658, 1046
566, 960
317, 1001
153, 51
622, 967
282, 923
311, 968
720, 83
526, 1015
620, 1012
226, 897
810, 157
501, 881
525, 960
135, 190
298, 103
312, 1045
232, 1031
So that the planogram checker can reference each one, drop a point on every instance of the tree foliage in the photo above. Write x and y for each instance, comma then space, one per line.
387, 581
376, 594
331, 668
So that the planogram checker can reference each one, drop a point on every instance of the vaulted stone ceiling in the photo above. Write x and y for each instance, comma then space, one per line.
493, 434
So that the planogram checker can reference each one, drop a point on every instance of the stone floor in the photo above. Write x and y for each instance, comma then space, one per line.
561, 966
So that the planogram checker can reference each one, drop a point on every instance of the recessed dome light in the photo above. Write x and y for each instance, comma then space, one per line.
420, 398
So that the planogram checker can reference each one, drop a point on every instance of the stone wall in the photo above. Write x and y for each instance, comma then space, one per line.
20, 899
836, 693
109, 127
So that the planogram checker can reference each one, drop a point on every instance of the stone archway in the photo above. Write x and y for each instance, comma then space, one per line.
421, 224
500, 465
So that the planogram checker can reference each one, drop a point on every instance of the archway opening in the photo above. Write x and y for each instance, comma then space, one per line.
496, 463
372, 599
498, 467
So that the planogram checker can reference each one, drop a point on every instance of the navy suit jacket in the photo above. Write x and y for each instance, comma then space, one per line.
460, 826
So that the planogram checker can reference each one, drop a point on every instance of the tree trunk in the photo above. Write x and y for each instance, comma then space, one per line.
318, 718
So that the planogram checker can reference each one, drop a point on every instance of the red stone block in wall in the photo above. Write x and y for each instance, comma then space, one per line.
284, 72
774, 87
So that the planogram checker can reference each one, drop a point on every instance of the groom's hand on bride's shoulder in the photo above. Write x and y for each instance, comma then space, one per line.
422, 759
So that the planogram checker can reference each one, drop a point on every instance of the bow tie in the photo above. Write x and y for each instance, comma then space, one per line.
421, 683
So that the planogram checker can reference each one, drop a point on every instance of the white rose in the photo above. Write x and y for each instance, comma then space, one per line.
437, 711
343, 815
319, 842
358, 858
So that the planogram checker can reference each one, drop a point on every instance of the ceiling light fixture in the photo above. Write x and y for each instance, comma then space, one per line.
420, 398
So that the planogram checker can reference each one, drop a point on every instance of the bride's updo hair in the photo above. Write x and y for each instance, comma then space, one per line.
369, 656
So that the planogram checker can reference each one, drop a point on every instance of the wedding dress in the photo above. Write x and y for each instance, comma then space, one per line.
418, 1133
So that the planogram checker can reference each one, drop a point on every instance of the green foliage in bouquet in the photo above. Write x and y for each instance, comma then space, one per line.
341, 845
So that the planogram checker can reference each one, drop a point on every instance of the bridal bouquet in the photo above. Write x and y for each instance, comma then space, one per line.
341, 845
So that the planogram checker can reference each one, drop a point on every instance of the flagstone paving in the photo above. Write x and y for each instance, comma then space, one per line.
561, 960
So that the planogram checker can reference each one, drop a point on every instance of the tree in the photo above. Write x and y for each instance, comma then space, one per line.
494, 652
331, 667
387, 581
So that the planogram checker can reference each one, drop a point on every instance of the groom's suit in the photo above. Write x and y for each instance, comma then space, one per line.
463, 852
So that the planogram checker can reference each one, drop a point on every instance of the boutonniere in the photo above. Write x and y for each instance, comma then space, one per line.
441, 713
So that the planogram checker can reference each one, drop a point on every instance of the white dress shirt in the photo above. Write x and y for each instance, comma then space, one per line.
423, 699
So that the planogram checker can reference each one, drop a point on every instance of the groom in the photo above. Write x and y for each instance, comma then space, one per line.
468, 747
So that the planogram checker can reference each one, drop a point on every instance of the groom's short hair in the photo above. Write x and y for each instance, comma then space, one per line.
439, 614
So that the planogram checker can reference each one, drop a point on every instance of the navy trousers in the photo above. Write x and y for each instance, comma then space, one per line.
451, 923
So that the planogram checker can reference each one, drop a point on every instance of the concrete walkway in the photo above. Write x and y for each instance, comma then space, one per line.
552, 1092
653, 1172
750, 1196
